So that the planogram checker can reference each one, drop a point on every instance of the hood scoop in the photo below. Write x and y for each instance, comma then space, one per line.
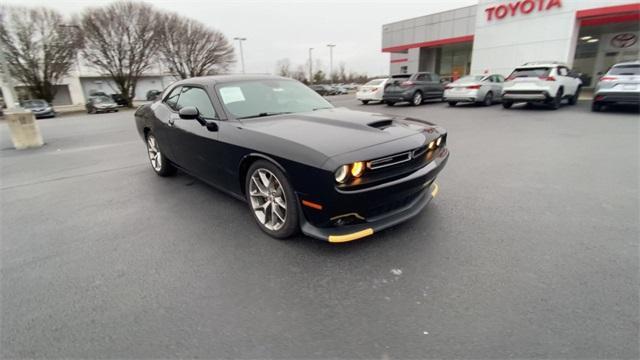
381, 124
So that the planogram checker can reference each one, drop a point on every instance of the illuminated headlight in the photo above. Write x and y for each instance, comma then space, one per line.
341, 174
432, 145
439, 141
357, 169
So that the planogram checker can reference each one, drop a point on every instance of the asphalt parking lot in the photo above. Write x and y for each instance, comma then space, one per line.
530, 250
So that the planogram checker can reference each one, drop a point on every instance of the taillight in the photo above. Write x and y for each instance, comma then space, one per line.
473, 87
608, 78
510, 78
406, 83
547, 78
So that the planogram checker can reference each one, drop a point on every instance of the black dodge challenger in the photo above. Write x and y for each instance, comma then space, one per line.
298, 162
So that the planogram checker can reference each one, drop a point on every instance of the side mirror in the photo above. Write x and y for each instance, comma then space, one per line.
189, 113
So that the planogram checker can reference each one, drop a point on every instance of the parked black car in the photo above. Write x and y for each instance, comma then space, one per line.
119, 99
323, 90
40, 108
299, 163
413, 88
152, 95
101, 103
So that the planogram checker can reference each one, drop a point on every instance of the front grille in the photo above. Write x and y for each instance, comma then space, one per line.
389, 160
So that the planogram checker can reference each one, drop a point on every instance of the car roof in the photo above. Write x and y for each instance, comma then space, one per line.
533, 64
636, 62
220, 79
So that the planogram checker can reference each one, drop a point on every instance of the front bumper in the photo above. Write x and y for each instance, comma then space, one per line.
43, 114
373, 209
619, 97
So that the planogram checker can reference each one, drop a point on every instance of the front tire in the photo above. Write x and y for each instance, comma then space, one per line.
557, 101
271, 200
507, 104
365, 102
159, 163
452, 103
390, 103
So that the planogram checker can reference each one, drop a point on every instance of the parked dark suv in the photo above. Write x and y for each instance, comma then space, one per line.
414, 88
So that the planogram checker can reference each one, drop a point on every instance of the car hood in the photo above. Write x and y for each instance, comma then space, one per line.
339, 131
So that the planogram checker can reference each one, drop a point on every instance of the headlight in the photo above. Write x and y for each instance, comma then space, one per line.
357, 169
432, 145
341, 173
439, 141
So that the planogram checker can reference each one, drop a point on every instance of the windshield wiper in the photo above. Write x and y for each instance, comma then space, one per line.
322, 108
263, 114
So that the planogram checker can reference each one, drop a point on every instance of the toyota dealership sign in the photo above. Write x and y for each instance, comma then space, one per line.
520, 7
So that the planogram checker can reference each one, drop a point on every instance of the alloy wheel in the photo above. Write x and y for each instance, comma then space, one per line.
268, 200
417, 99
154, 153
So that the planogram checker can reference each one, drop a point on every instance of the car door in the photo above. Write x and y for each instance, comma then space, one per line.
164, 113
195, 147
498, 81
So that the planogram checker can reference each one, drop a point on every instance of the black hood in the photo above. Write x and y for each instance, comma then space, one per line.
339, 131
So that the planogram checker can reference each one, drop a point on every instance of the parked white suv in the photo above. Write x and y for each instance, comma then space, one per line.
541, 82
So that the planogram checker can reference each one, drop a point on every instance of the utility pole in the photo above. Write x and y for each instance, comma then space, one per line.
310, 67
331, 46
240, 40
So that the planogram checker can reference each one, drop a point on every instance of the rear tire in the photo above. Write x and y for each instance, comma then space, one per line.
390, 103
557, 101
271, 200
488, 99
452, 103
574, 99
365, 102
416, 99
507, 104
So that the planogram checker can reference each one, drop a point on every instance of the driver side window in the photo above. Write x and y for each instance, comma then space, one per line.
198, 98
172, 99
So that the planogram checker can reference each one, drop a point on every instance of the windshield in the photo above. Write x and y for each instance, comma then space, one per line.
256, 98
102, 99
34, 103
530, 72
375, 82
625, 70
470, 78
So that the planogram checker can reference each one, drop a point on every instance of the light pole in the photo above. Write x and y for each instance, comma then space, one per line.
310, 67
331, 46
240, 40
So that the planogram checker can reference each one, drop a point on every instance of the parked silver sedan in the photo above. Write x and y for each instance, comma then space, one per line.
482, 89
620, 85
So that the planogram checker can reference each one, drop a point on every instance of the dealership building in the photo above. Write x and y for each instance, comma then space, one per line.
496, 36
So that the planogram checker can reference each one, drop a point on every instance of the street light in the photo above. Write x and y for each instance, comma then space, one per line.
331, 46
310, 67
240, 40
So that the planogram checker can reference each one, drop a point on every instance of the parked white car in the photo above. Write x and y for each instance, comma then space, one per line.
541, 82
371, 91
482, 89
620, 85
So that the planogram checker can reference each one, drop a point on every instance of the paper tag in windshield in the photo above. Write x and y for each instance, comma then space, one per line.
231, 94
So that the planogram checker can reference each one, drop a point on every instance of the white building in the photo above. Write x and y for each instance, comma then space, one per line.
83, 81
497, 35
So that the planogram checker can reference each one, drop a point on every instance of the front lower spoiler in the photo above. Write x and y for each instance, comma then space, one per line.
358, 231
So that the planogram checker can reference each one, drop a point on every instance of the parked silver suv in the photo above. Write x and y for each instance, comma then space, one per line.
620, 85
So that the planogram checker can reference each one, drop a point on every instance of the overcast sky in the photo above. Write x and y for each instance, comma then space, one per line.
288, 28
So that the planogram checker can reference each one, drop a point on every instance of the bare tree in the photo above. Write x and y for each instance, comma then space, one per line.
300, 74
122, 41
189, 48
39, 51
283, 68
342, 73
